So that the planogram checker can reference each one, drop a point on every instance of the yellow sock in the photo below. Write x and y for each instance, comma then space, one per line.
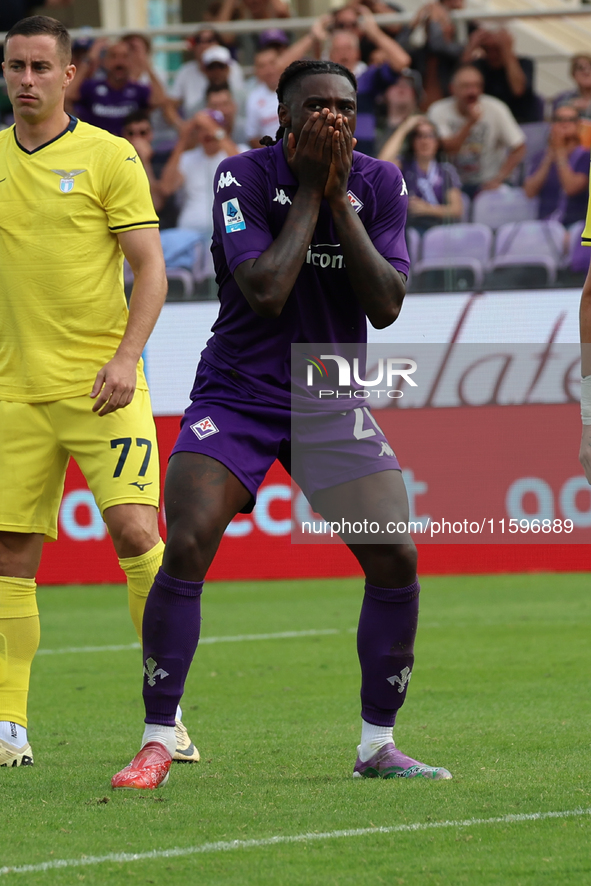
140, 572
19, 639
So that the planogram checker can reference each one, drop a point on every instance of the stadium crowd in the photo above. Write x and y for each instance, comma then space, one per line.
449, 102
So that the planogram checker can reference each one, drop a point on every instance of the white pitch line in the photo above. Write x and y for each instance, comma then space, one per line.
226, 846
238, 638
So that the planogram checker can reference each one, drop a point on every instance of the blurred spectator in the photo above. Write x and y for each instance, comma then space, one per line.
261, 104
373, 82
349, 19
478, 131
345, 49
273, 38
137, 129
401, 100
245, 9
192, 79
219, 98
140, 65
434, 193
436, 43
560, 174
580, 97
106, 102
506, 77
202, 146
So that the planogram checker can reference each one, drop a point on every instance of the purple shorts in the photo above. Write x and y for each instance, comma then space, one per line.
246, 435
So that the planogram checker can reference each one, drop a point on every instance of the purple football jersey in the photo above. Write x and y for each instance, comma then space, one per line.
107, 108
253, 194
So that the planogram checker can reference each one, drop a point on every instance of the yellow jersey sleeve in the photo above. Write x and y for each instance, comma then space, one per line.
126, 196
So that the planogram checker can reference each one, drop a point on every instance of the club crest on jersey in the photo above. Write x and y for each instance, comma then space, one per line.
67, 179
355, 201
205, 427
233, 218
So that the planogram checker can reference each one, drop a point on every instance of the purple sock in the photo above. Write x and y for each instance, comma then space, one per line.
172, 619
385, 643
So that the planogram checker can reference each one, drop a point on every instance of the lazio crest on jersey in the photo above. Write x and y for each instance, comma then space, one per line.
67, 179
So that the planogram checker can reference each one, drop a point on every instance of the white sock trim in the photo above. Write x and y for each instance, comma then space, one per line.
372, 739
163, 734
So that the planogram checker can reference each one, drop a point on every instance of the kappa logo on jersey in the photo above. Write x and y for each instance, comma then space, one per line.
281, 197
67, 179
226, 179
404, 190
386, 449
355, 201
233, 218
205, 427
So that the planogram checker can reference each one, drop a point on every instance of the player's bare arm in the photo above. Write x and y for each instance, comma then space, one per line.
585, 327
378, 286
268, 280
115, 383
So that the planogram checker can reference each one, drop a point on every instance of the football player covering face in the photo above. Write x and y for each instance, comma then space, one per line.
320, 118
272, 206
37, 74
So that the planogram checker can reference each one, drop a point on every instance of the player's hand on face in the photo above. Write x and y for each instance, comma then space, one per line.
585, 451
310, 158
341, 161
114, 385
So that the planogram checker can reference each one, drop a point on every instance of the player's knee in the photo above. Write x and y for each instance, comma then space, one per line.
191, 547
391, 566
133, 539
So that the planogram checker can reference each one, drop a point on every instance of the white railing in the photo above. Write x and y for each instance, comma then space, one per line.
304, 23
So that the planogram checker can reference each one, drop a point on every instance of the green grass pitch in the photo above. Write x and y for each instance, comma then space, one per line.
500, 696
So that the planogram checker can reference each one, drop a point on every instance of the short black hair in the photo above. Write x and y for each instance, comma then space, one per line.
138, 116
44, 24
296, 72
218, 87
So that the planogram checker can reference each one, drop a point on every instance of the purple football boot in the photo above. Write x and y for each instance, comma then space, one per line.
389, 762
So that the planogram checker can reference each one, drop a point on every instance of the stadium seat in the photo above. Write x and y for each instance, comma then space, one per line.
504, 204
454, 258
466, 207
527, 254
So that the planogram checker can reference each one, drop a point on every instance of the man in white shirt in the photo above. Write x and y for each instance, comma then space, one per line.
261, 104
212, 64
191, 169
479, 132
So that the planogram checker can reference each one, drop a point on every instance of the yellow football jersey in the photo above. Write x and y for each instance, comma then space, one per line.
62, 302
